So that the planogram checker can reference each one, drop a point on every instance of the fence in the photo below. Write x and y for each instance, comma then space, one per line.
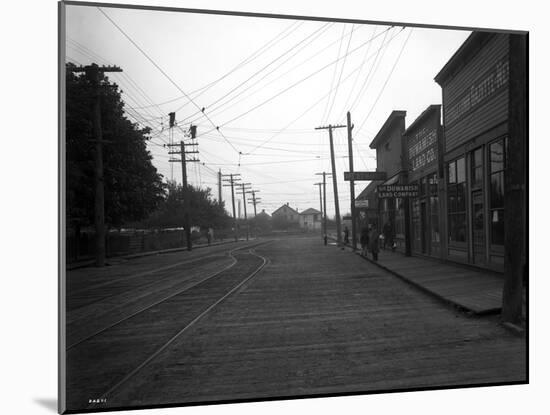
82, 247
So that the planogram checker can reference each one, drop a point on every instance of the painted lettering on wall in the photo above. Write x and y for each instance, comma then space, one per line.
479, 91
422, 148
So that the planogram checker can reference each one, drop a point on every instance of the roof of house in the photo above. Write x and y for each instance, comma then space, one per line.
428, 111
276, 210
470, 46
310, 211
395, 115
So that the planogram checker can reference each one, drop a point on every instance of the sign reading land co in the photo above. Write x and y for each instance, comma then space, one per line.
365, 175
397, 190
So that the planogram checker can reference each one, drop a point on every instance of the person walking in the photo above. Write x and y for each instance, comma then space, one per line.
364, 240
386, 231
346, 235
373, 241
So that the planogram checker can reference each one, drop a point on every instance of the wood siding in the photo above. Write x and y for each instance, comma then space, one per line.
486, 114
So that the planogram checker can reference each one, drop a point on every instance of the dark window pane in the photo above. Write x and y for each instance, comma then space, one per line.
477, 176
461, 197
478, 157
461, 228
452, 198
497, 227
496, 151
457, 227
452, 172
460, 170
497, 190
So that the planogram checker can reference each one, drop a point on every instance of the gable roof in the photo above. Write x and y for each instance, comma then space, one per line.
310, 211
470, 47
428, 111
292, 210
395, 115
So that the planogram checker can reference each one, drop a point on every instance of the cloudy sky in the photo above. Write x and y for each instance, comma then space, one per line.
264, 84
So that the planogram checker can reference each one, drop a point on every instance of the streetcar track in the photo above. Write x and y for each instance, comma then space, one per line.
146, 362
221, 253
98, 332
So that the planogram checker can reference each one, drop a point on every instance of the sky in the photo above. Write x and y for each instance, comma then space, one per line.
265, 84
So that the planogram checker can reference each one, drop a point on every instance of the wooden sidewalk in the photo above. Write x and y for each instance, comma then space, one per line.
476, 291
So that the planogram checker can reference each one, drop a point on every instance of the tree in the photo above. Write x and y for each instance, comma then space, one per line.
133, 188
205, 212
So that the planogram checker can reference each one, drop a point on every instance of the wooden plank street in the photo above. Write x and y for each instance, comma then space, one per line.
314, 320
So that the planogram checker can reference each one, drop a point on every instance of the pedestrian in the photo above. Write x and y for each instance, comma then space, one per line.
364, 240
386, 231
374, 237
346, 235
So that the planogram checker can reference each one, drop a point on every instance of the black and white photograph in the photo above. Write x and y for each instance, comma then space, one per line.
261, 206
240, 207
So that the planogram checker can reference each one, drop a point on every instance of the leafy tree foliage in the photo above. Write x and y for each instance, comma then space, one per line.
133, 188
204, 211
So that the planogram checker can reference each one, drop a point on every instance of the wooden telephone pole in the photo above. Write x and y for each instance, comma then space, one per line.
186, 204
254, 199
320, 184
334, 181
352, 185
324, 209
93, 73
244, 190
232, 179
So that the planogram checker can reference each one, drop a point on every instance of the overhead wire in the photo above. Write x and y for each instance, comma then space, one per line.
387, 79
166, 76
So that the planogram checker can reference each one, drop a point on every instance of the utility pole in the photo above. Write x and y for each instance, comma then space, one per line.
186, 201
232, 179
320, 200
334, 181
515, 179
93, 73
352, 185
324, 204
220, 186
244, 191
254, 200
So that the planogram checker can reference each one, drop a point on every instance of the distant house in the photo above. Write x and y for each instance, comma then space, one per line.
310, 219
286, 213
263, 214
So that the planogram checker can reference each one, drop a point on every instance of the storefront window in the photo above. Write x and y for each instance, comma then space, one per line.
457, 200
496, 180
477, 168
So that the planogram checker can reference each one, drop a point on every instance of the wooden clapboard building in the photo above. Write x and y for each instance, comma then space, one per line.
475, 87
423, 146
389, 144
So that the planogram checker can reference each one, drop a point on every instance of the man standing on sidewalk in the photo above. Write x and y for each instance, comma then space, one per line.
374, 238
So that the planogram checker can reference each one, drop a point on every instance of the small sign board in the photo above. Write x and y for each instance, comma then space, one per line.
365, 175
397, 190
361, 203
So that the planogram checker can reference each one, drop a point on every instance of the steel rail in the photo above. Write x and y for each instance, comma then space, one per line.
117, 385
71, 346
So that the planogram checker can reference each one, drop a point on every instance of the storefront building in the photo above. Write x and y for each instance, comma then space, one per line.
389, 144
423, 143
475, 87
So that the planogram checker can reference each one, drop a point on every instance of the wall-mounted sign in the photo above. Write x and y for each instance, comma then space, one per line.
362, 203
365, 175
481, 90
397, 190
422, 148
